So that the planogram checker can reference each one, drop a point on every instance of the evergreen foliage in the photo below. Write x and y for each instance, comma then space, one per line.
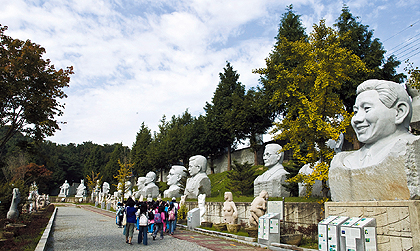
241, 178
224, 129
357, 38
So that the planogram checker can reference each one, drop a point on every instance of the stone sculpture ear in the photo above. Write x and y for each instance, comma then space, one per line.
403, 109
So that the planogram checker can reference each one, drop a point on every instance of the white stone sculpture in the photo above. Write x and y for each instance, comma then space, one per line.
199, 183
307, 169
13, 212
33, 197
150, 187
258, 208
96, 191
140, 186
230, 212
129, 189
272, 180
81, 189
64, 189
415, 103
174, 181
387, 166
182, 201
202, 206
105, 188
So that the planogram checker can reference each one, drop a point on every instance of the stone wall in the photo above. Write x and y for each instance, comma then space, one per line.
397, 222
297, 213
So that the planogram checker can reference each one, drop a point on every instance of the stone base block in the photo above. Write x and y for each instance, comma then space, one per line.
398, 223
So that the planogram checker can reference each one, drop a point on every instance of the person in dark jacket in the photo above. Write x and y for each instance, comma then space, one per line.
131, 220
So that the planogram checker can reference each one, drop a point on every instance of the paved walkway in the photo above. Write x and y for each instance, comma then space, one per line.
89, 228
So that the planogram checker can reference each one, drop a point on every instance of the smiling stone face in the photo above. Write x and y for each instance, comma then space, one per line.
372, 120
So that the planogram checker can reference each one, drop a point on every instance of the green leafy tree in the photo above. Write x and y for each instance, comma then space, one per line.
223, 130
255, 117
241, 178
30, 89
313, 110
111, 168
357, 38
290, 30
139, 151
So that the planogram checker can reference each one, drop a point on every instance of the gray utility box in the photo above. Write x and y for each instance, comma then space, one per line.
269, 229
193, 218
323, 232
359, 234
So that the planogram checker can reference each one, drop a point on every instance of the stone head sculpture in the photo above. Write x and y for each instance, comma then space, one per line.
198, 164
176, 174
272, 155
140, 182
150, 178
228, 196
382, 108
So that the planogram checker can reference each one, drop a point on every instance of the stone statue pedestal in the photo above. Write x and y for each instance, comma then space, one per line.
397, 222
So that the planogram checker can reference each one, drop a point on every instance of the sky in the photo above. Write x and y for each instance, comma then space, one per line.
136, 61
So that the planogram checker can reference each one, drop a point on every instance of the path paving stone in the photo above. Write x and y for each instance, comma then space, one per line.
89, 228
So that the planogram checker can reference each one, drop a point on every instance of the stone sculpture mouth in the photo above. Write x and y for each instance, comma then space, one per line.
362, 128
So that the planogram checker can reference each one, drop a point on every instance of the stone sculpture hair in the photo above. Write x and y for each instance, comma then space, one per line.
390, 93
151, 175
201, 160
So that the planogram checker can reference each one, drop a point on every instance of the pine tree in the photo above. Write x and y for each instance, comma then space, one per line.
241, 178
357, 38
224, 129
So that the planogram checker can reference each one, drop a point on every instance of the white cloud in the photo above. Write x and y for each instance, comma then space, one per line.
135, 61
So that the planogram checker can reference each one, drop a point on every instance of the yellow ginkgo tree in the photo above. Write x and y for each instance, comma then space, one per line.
308, 93
124, 174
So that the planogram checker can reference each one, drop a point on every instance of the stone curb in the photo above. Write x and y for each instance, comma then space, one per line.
247, 240
44, 238
231, 237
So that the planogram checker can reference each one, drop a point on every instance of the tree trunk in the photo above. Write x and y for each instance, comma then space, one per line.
211, 165
255, 157
229, 158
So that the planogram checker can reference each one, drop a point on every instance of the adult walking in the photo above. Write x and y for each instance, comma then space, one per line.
131, 220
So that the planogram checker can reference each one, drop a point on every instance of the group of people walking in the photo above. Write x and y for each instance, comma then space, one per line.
147, 217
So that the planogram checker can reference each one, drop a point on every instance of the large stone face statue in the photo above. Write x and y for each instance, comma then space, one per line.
150, 187
258, 208
272, 179
230, 212
174, 178
199, 183
386, 167
13, 212
81, 189
64, 189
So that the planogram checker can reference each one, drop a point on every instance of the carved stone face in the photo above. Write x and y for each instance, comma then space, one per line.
194, 168
270, 157
173, 177
372, 120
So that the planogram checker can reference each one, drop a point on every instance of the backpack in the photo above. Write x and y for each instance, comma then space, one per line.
121, 211
171, 214
143, 220
158, 218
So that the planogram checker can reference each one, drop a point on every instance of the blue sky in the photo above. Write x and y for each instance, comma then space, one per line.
135, 61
